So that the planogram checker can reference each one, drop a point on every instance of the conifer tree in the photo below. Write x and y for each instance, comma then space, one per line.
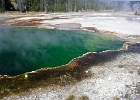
2, 5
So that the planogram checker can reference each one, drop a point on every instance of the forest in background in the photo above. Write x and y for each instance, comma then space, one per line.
68, 5
53, 5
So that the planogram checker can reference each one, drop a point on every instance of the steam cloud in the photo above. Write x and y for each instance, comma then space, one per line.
27, 49
20, 50
124, 5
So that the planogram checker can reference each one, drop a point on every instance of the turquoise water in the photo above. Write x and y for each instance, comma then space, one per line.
26, 49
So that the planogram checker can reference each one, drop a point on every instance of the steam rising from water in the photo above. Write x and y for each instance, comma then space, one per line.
27, 49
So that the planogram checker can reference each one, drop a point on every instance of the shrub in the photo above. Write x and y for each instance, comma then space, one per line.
70, 97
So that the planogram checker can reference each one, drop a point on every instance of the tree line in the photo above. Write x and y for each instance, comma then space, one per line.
54, 5
5, 5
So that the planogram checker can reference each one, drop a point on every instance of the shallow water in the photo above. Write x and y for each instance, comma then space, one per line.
27, 49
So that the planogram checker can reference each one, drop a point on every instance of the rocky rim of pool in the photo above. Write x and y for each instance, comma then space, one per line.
72, 72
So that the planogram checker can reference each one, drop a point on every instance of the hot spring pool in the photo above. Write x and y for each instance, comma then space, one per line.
27, 49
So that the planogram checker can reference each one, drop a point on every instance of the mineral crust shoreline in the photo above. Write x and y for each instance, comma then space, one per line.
74, 72
46, 76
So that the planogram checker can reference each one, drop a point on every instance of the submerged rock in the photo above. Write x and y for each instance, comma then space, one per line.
68, 26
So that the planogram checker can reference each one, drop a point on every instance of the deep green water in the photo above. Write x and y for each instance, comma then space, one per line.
27, 49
